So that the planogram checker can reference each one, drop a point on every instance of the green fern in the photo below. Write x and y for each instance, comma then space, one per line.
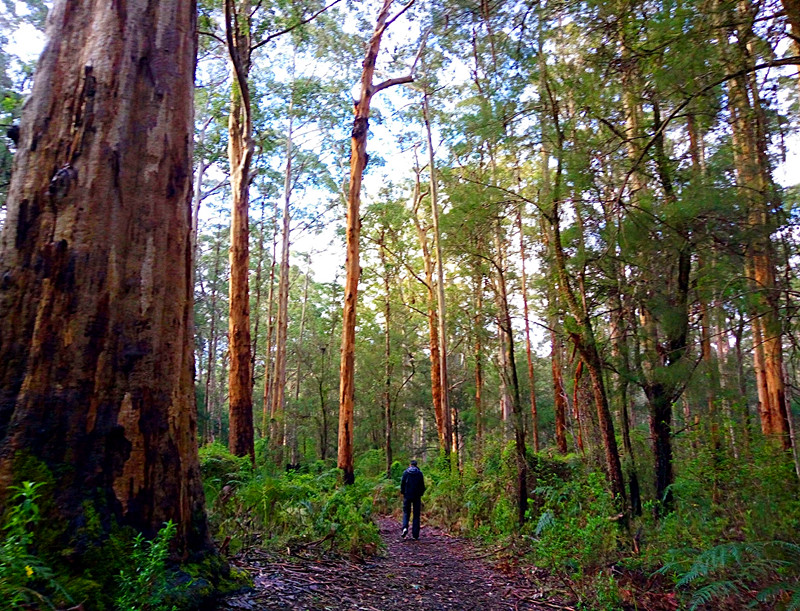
546, 520
774, 563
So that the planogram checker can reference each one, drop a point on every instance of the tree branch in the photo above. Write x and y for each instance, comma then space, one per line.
294, 26
391, 82
404, 9
787, 61
211, 35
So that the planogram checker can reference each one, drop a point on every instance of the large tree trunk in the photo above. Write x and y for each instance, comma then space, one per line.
240, 155
358, 161
96, 340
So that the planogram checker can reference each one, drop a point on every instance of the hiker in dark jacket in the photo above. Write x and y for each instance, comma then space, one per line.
412, 486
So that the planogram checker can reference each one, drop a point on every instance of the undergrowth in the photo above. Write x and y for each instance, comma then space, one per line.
731, 541
25, 580
308, 510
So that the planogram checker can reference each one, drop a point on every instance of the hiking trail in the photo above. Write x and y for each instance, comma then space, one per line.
438, 572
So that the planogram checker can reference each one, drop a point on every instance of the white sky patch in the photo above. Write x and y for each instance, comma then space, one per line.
26, 43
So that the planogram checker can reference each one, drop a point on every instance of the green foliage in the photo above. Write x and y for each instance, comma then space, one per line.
732, 570
603, 592
308, 510
573, 531
144, 583
221, 470
24, 579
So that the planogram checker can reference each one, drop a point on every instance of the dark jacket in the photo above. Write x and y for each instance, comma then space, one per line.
413, 484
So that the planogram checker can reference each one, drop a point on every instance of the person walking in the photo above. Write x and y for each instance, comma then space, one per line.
412, 486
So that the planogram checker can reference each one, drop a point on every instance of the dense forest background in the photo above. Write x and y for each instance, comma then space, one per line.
576, 260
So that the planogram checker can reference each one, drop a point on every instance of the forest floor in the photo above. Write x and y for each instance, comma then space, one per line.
438, 572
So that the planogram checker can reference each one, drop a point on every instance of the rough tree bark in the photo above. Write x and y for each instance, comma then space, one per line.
96, 340
358, 161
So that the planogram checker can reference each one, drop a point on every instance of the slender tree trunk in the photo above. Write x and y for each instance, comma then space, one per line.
510, 373
300, 350
576, 408
358, 161
433, 334
292, 414
545, 197
268, 361
478, 331
96, 305
559, 392
197, 199
277, 416
738, 336
584, 338
213, 339
259, 268
387, 355
448, 411
528, 351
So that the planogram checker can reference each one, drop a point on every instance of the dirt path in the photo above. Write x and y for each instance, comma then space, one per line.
436, 573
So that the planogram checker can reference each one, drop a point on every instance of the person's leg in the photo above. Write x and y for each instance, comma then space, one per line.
406, 511
415, 524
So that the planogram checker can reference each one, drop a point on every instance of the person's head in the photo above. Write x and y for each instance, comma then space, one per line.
413, 463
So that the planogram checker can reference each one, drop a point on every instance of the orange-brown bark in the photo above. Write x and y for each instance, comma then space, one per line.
754, 177
240, 155
358, 161
449, 414
433, 334
96, 324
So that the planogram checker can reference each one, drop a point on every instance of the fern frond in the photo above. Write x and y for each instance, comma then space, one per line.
718, 589
794, 603
546, 520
